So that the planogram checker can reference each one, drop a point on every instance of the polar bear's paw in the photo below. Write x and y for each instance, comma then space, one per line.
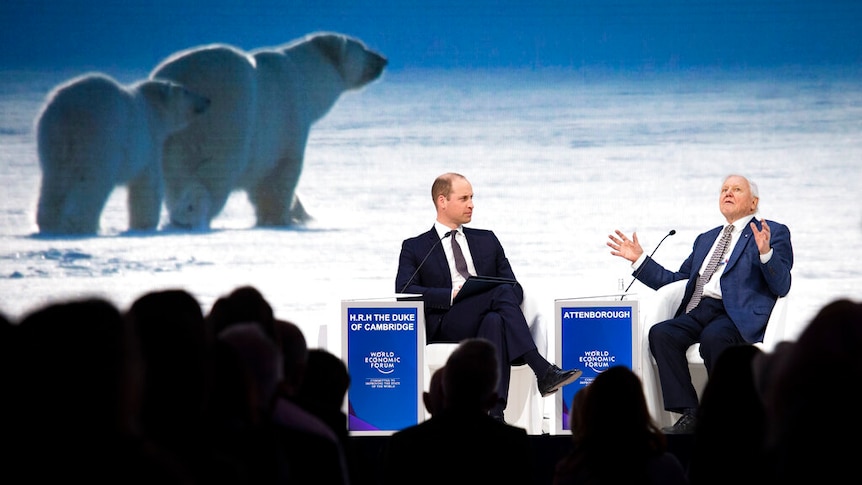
267, 216
298, 214
190, 211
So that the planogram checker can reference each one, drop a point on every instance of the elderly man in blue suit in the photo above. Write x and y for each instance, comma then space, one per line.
735, 274
436, 264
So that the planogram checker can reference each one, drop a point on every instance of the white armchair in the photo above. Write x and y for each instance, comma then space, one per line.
525, 407
661, 306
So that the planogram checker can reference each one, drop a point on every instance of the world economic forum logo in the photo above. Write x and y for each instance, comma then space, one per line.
384, 362
598, 360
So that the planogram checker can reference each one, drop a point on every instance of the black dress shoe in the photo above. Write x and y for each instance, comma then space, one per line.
684, 425
555, 378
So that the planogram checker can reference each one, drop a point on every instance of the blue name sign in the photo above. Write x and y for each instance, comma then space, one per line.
383, 343
592, 336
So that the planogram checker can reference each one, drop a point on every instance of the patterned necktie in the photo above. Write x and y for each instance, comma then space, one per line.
460, 262
720, 249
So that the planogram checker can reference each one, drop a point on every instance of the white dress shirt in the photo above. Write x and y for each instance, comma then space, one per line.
457, 279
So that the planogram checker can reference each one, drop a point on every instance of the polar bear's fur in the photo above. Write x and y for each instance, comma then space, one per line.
94, 134
253, 138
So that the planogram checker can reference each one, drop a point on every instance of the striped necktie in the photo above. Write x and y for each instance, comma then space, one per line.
720, 249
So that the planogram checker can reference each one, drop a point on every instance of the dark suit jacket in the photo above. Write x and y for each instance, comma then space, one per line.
434, 281
748, 288
457, 448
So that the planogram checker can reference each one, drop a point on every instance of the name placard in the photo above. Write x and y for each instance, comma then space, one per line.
383, 345
592, 335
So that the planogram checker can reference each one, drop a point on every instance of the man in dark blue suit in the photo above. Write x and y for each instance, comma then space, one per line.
427, 266
730, 307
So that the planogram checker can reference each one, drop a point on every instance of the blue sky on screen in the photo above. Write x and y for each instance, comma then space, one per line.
616, 34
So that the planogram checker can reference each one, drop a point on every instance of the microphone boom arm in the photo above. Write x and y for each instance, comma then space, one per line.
423, 261
638, 272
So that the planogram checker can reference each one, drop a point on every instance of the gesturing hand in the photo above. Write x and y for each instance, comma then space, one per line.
624, 247
761, 237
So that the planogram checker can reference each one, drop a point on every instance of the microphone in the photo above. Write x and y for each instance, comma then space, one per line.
423, 261
638, 272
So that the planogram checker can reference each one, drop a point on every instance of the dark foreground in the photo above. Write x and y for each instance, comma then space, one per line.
547, 450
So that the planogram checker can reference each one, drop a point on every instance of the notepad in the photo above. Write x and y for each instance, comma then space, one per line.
480, 284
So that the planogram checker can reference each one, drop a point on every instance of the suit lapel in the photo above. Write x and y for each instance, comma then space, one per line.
439, 256
476, 252
744, 239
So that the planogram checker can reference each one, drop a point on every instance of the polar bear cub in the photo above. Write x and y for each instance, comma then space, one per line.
94, 134
253, 137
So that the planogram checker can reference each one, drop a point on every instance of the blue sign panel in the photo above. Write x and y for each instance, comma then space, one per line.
593, 336
384, 344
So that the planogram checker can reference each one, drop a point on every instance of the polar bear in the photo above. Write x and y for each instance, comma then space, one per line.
253, 137
94, 134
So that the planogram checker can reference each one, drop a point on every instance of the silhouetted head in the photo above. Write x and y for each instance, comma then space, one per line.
433, 397
471, 376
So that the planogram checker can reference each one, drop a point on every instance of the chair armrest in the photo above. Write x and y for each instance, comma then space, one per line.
663, 303
536, 323
775, 327
658, 307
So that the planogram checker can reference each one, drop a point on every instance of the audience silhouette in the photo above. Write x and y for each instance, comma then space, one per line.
576, 414
242, 305
8, 362
306, 451
178, 353
252, 439
731, 423
462, 444
818, 374
288, 412
322, 394
164, 394
316, 451
615, 441
71, 412
323, 390
433, 397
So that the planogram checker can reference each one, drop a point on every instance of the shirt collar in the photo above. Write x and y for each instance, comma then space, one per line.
740, 224
443, 229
